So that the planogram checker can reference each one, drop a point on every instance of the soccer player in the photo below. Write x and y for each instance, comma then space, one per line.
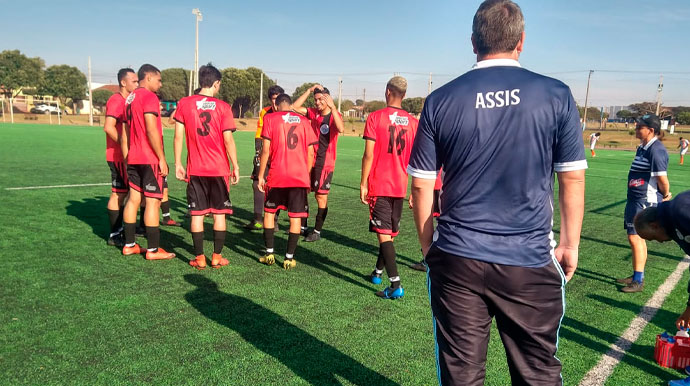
257, 222
146, 165
208, 124
492, 253
670, 220
683, 146
593, 138
114, 116
388, 135
421, 265
647, 186
327, 125
289, 146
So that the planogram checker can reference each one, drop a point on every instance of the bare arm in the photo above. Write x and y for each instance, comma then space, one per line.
180, 172
263, 161
310, 156
297, 105
110, 130
571, 199
367, 161
334, 113
664, 187
422, 196
124, 142
155, 141
231, 151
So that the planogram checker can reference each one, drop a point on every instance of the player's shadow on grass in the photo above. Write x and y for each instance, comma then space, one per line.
308, 357
626, 247
593, 275
663, 319
91, 211
369, 249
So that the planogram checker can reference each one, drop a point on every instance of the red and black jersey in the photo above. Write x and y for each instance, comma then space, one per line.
205, 120
393, 130
115, 108
290, 135
325, 130
140, 102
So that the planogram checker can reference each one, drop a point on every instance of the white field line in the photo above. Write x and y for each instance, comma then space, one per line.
600, 373
69, 186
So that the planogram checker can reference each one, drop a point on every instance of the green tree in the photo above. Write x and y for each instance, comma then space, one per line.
359, 102
175, 84
643, 108
241, 88
413, 105
18, 71
300, 90
683, 118
593, 113
100, 97
372, 106
624, 114
346, 105
64, 82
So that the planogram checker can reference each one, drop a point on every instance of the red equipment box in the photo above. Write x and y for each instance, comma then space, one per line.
672, 351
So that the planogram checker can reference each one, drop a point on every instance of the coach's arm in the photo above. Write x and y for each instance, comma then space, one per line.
422, 199
571, 200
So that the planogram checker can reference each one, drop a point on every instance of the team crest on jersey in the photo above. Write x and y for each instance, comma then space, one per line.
396, 120
636, 183
325, 129
287, 118
130, 98
205, 105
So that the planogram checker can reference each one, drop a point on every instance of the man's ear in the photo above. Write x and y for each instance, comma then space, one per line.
521, 43
474, 44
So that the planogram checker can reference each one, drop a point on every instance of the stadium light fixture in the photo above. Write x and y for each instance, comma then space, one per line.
199, 18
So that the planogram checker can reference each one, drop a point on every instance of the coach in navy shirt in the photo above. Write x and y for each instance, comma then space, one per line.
492, 253
647, 186
668, 221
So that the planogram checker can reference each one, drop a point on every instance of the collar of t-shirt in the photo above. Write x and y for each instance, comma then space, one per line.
649, 143
496, 62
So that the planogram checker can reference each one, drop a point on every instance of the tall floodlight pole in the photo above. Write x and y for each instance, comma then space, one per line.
90, 97
584, 118
199, 18
340, 91
658, 94
261, 93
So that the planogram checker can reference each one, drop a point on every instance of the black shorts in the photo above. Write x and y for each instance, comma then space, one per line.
633, 207
293, 200
384, 215
165, 182
321, 180
208, 195
146, 179
118, 176
437, 203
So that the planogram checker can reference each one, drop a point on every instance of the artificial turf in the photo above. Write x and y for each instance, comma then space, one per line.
75, 311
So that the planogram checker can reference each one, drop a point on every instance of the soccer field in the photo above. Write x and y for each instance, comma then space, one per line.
75, 311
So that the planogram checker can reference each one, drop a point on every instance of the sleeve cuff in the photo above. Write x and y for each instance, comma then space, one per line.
179, 121
369, 139
314, 143
112, 116
264, 137
572, 166
425, 174
231, 129
151, 112
657, 174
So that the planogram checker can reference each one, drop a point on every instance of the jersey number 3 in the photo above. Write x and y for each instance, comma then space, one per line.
205, 117
398, 143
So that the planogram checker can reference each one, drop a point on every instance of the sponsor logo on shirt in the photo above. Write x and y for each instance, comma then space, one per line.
205, 105
503, 98
287, 118
396, 120
130, 98
325, 129
636, 183
150, 188
227, 203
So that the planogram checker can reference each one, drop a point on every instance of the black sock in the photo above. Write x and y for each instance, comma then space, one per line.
113, 216
379, 260
218, 241
304, 222
269, 234
292, 243
120, 213
165, 208
388, 252
258, 202
320, 218
198, 241
142, 224
153, 235
130, 230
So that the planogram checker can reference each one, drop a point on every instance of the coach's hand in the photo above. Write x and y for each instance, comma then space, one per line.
163, 167
180, 173
262, 185
567, 258
235, 176
684, 319
409, 202
363, 193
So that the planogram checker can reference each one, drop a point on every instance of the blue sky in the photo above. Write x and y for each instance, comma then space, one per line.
365, 41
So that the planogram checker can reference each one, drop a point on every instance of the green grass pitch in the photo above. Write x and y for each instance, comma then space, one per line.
75, 311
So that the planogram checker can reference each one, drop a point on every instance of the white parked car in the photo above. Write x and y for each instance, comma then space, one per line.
44, 109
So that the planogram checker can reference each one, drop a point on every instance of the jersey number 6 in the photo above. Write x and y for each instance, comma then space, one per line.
292, 138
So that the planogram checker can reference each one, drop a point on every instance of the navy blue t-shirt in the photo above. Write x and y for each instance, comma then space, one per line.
651, 161
499, 131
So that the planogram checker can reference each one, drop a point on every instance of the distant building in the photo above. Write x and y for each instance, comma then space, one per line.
613, 110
